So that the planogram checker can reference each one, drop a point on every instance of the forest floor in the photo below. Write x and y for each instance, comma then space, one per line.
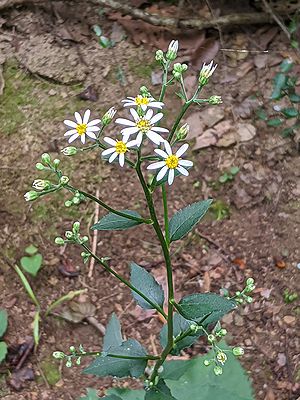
48, 57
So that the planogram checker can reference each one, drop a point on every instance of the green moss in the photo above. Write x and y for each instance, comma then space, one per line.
141, 70
50, 370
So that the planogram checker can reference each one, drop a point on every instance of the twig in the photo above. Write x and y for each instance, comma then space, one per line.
226, 257
43, 375
269, 9
29, 348
95, 237
92, 321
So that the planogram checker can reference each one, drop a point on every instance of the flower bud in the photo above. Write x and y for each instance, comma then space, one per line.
58, 355
249, 299
182, 132
76, 200
64, 180
178, 70
69, 151
69, 234
172, 50
206, 363
56, 162
108, 116
221, 357
40, 184
69, 363
206, 72
31, 195
46, 158
59, 240
159, 55
215, 100
177, 75
144, 91
84, 239
68, 203
249, 281
39, 166
218, 370
222, 332
160, 369
238, 351
72, 349
76, 227
78, 361
211, 338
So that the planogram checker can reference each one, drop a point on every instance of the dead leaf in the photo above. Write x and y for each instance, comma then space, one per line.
18, 378
205, 52
280, 263
266, 37
240, 263
118, 33
18, 354
206, 282
211, 116
245, 132
89, 93
270, 395
67, 268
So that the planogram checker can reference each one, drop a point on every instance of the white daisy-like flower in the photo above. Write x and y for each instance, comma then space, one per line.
171, 162
82, 127
221, 357
143, 102
206, 72
118, 149
142, 126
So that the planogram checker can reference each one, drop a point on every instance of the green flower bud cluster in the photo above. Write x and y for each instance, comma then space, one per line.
238, 351
242, 297
59, 355
70, 151
214, 100
178, 70
75, 200
182, 132
72, 236
144, 91
85, 256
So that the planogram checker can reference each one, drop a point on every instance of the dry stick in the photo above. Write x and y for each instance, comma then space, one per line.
95, 237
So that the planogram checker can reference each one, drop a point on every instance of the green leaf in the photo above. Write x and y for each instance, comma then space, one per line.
224, 178
159, 392
274, 122
279, 84
113, 334
234, 170
116, 222
261, 113
295, 98
198, 382
128, 394
3, 322
145, 283
286, 65
32, 264
27, 286
36, 328
97, 30
197, 306
184, 220
180, 325
31, 250
290, 112
3, 351
287, 132
105, 365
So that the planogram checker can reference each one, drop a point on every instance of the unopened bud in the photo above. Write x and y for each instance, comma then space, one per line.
221, 357
206, 72
182, 132
31, 195
238, 351
222, 332
56, 162
108, 116
72, 349
218, 370
76, 227
84, 239
46, 158
78, 361
64, 180
59, 240
69, 235
249, 281
69, 151
69, 363
159, 55
211, 338
39, 166
144, 91
249, 299
68, 203
40, 184
206, 363
58, 355
215, 100
172, 50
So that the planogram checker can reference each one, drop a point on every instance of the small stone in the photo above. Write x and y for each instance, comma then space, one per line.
246, 132
227, 319
52, 92
248, 342
289, 319
281, 359
212, 115
238, 320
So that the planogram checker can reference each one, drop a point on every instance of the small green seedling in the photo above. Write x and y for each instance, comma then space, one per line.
32, 263
220, 210
289, 297
104, 41
229, 175
3, 328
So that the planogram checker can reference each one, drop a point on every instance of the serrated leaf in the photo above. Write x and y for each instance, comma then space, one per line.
113, 334
184, 220
199, 382
159, 392
116, 222
32, 264
3, 322
210, 306
146, 283
274, 122
3, 351
180, 325
290, 112
105, 365
279, 84
31, 250
128, 394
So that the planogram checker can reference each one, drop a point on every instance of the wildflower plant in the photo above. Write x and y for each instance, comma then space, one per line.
194, 315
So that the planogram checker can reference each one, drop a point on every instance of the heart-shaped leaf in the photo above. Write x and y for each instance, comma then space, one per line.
32, 264
31, 250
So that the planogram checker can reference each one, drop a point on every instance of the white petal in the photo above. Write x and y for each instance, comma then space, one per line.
161, 153
108, 151
130, 130
125, 137
83, 139
182, 170
159, 129
110, 141
129, 104
156, 118
171, 176
134, 114
91, 135
186, 163
86, 116
69, 123
113, 157
123, 121
70, 132
94, 122
162, 173
122, 159
132, 143
139, 139
78, 117
156, 104
168, 148
144, 107
156, 165
182, 150
149, 114
72, 138
93, 129
155, 137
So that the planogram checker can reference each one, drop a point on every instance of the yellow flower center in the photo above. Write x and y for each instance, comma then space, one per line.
172, 161
141, 101
143, 125
121, 147
81, 129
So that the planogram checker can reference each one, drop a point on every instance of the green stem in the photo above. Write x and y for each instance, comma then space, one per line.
164, 83
97, 353
107, 207
128, 284
183, 89
167, 258
178, 119
166, 217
